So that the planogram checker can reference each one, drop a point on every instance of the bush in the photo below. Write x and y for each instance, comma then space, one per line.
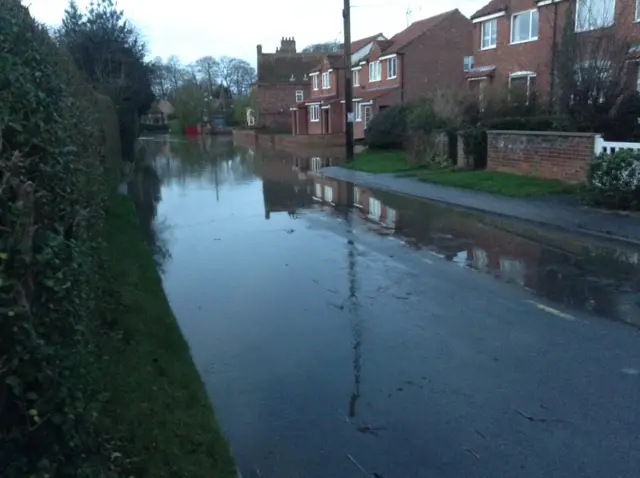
614, 180
388, 129
58, 153
532, 123
177, 126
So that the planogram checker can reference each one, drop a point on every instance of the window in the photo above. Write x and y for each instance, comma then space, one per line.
375, 71
358, 108
489, 34
392, 67
315, 82
637, 10
375, 208
468, 63
314, 113
299, 96
367, 115
328, 193
356, 196
356, 77
326, 80
522, 88
594, 14
391, 217
524, 26
318, 190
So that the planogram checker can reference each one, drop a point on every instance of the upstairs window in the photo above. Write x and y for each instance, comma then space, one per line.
356, 77
468, 63
524, 26
326, 80
315, 82
375, 71
489, 34
299, 96
594, 14
392, 68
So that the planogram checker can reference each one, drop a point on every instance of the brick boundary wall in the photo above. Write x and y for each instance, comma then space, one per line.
547, 154
287, 142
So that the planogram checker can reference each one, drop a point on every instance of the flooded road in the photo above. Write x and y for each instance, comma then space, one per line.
395, 338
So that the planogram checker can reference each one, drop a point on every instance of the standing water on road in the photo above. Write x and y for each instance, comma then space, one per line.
395, 338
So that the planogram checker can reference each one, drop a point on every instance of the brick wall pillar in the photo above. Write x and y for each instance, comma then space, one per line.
547, 154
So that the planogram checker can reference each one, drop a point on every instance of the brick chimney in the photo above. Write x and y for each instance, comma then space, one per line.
287, 45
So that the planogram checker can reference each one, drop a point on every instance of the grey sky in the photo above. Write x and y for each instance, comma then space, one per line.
195, 28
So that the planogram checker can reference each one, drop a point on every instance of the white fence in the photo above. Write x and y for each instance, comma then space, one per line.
610, 147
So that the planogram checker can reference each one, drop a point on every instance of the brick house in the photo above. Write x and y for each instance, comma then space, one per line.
426, 57
515, 41
322, 112
282, 78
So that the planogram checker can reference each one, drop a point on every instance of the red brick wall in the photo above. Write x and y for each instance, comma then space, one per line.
335, 84
435, 61
549, 155
286, 142
385, 82
274, 103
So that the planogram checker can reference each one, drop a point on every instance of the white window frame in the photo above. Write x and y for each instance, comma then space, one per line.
328, 194
375, 67
531, 37
357, 192
299, 96
483, 25
364, 114
588, 23
464, 62
637, 10
314, 113
318, 191
375, 208
358, 108
356, 76
523, 74
315, 82
326, 80
393, 60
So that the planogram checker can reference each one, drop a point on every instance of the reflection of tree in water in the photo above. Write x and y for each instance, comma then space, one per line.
144, 189
214, 160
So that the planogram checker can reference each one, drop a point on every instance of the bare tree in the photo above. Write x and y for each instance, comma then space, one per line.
160, 78
175, 72
324, 47
208, 70
591, 64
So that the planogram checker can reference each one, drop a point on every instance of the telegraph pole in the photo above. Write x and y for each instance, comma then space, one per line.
348, 82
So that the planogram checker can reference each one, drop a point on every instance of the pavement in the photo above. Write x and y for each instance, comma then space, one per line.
334, 346
561, 212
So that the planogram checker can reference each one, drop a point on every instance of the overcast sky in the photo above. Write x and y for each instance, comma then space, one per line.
195, 28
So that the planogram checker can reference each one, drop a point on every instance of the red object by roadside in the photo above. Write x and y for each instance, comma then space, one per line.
191, 130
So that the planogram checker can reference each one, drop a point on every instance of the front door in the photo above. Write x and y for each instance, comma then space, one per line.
325, 121
367, 115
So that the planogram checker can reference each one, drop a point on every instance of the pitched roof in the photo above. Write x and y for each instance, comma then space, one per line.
494, 6
358, 44
280, 68
406, 36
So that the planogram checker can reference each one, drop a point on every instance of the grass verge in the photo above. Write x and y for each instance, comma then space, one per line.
158, 409
380, 161
506, 184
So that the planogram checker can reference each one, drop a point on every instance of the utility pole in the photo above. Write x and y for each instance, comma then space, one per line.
348, 82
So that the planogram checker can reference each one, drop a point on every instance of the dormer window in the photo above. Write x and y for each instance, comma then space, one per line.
326, 80
315, 82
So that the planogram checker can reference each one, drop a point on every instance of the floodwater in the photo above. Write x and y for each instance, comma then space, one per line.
393, 338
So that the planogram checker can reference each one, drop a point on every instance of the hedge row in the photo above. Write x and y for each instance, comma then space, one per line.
58, 153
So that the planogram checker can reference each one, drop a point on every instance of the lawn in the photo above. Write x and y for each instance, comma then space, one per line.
158, 409
507, 184
381, 161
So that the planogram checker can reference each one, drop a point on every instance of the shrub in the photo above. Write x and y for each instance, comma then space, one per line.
532, 123
58, 149
388, 129
614, 180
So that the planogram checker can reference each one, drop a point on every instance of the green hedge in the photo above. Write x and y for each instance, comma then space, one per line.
57, 156
614, 180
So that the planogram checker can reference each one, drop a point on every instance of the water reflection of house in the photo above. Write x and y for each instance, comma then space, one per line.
311, 166
283, 189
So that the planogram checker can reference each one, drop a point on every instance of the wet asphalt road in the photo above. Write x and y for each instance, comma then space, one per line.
396, 338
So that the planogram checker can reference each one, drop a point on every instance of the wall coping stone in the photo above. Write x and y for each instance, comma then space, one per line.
544, 133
